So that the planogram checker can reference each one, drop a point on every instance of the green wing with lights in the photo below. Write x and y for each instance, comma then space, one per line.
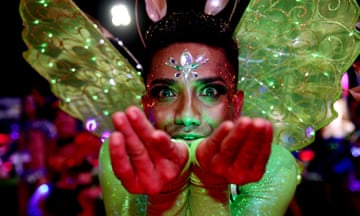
293, 55
85, 71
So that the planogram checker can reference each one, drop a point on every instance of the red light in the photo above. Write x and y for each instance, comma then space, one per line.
306, 155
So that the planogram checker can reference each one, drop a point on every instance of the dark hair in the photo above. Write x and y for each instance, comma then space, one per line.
190, 26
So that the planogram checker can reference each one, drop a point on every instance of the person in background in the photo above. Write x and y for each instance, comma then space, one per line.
35, 135
328, 161
72, 170
351, 184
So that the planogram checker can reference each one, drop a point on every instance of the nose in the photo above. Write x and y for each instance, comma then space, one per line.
187, 112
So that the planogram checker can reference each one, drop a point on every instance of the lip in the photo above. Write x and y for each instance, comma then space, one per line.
187, 137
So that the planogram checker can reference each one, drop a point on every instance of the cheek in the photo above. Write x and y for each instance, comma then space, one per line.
162, 116
215, 115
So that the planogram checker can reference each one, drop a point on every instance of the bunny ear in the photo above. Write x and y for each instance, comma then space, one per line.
156, 9
213, 7
355, 92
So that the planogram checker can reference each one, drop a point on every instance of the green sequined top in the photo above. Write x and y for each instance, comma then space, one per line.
270, 196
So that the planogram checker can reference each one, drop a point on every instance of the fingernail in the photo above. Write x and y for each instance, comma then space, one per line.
132, 114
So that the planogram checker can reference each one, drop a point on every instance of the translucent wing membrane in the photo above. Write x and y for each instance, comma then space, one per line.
293, 55
84, 70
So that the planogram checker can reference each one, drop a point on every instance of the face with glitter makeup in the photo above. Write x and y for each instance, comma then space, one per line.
189, 97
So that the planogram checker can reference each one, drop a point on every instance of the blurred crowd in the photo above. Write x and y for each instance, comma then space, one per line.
49, 162
331, 164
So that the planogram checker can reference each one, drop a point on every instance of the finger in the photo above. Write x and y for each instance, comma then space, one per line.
264, 146
140, 123
133, 124
135, 147
120, 162
134, 169
161, 151
254, 153
210, 147
136, 151
150, 176
213, 142
258, 142
162, 142
169, 157
122, 124
231, 144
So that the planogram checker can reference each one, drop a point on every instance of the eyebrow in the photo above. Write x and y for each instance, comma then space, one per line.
163, 81
173, 81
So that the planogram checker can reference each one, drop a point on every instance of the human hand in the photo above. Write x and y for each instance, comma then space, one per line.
237, 152
143, 158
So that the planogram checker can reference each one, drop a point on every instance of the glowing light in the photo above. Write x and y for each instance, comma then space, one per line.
306, 155
120, 15
138, 66
44, 188
215, 3
355, 151
91, 125
112, 82
310, 132
105, 135
40, 193
345, 84
4, 139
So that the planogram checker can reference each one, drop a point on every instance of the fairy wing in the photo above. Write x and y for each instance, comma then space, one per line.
86, 72
292, 57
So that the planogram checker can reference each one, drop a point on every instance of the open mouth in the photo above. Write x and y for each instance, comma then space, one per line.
187, 137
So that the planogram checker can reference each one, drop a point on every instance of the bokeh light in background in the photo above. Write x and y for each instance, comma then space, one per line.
120, 15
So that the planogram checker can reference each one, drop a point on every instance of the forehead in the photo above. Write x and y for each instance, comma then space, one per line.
216, 65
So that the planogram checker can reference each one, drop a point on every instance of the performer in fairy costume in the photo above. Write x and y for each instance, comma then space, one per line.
291, 58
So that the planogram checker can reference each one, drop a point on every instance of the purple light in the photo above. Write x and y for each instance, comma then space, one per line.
345, 84
355, 151
105, 135
40, 194
91, 125
309, 132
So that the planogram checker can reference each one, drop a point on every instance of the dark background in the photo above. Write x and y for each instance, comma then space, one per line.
16, 75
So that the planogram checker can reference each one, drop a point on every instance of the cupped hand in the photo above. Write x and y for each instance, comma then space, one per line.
237, 152
143, 158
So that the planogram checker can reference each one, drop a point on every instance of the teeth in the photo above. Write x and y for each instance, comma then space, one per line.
189, 137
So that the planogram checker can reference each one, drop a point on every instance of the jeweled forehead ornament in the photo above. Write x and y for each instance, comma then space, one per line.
187, 66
